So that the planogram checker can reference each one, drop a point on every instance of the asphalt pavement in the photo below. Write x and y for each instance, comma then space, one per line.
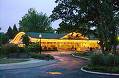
67, 67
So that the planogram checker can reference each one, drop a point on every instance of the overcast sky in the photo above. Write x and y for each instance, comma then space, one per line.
11, 11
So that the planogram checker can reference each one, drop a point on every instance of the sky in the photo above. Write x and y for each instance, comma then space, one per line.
11, 11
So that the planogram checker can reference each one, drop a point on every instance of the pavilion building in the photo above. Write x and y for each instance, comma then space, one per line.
54, 41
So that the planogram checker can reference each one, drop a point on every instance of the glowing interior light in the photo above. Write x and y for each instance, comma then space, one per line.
55, 73
118, 38
80, 44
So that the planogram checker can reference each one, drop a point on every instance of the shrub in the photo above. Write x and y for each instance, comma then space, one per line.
105, 60
1, 52
26, 40
106, 69
10, 48
108, 60
12, 51
116, 60
96, 59
3, 39
22, 50
115, 69
34, 47
42, 56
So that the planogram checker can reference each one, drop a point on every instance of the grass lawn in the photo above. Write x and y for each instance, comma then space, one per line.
6, 61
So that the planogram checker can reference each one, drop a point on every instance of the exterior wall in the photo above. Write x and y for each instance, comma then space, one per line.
60, 44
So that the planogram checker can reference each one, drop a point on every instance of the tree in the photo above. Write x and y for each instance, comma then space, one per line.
35, 22
3, 39
9, 33
26, 40
70, 15
103, 15
15, 30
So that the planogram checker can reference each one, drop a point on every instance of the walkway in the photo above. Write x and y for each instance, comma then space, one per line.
26, 64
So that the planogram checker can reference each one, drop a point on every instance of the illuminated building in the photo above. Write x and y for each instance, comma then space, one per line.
71, 41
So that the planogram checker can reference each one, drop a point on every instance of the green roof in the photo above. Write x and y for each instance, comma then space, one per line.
45, 35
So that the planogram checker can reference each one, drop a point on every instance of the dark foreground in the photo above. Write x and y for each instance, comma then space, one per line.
67, 67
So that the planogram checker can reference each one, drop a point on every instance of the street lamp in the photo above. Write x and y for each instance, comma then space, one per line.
40, 36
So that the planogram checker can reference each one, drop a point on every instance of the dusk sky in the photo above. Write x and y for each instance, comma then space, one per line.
11, 11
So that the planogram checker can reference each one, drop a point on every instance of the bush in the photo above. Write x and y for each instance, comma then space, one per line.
10, 48
34, 47
115, 69
3, 39
1, 52
26, 40
22, 50
42, 56
12, 51
105, 60
96, 59
106, 69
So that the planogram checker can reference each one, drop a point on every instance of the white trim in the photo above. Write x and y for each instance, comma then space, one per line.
113, 74
80, 57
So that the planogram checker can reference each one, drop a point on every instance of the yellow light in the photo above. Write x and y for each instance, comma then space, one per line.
118, 38
55, 73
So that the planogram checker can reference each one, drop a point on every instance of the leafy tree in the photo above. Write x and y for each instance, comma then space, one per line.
103, 15
34, 47
72, 19
15, 30
9, 33
35, 22
26, 40
3, 39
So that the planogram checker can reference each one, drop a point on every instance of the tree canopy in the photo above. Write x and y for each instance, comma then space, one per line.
35, 22
3, 39
15, 30
9, 33
83, 15
78, 13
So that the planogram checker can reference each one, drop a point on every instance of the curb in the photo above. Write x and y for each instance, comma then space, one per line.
80, 57
25, 67
99, 73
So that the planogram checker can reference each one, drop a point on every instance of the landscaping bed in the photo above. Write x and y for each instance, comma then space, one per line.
42, 56
105, 63
13, 51
7, 61
84, 54
103, 69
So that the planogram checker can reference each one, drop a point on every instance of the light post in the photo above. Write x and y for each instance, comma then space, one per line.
40, 36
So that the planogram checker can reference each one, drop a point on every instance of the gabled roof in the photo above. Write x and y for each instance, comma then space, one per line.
45, 35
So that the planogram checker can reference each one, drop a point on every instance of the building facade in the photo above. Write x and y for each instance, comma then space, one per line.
70, 41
